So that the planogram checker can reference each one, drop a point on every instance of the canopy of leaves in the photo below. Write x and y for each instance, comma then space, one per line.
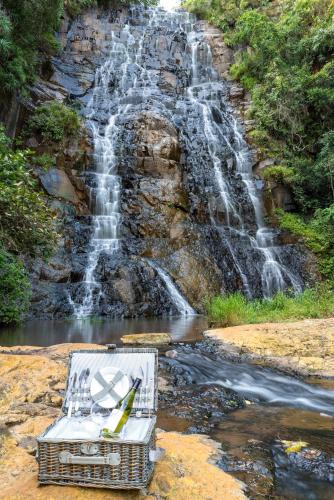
26, 223
14, 288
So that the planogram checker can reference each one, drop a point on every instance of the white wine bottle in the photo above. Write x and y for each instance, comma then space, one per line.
121, 413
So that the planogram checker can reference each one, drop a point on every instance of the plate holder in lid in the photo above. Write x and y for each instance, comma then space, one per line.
134, 362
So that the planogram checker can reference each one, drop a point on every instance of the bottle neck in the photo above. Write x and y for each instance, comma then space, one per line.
136, 384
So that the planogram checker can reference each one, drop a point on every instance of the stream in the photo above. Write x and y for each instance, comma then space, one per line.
247, 408
251, 410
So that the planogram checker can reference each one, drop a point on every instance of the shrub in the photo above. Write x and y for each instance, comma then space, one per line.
26, 27
279, 174
296, 225
229, 310
26, 223
44, 161
14, 288
317, 234
234, 309
54, 121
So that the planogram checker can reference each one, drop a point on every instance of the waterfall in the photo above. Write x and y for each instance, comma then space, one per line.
178, 300
204, 93
104, 195
158, 63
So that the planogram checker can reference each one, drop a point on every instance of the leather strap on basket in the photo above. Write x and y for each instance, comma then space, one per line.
107, 386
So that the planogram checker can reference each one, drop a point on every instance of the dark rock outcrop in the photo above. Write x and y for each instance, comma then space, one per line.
171, 204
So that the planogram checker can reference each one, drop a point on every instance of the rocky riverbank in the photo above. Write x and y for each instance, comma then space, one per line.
304, 347
31, 391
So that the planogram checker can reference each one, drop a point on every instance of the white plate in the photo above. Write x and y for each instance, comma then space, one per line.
122, 387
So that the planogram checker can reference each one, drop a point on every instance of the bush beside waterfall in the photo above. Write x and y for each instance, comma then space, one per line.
53, 122
14, 288
26, 222
26, 227
317, 235
235, 309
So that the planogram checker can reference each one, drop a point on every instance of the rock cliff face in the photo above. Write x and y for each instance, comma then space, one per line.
157, 201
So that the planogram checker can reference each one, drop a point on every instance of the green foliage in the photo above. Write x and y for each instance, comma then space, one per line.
44, 161
14, 288
279, 174
234, 309
54, 121
75, 7
25, 29
26, 223
228, 310
317, 234
297, 226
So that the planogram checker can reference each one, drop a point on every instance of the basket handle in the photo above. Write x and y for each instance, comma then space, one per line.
65, 457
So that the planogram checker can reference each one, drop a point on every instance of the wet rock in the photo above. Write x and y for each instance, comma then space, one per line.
311, 461
147, 338
203, 405
236, 91
57, 183
171, 354
57, 270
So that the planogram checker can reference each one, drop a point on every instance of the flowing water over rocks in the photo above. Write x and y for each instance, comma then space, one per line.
271, 409
176, 213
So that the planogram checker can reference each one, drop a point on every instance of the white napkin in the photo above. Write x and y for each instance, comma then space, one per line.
77, 428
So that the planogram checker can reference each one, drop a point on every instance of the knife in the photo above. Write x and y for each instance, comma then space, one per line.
79, 390
74, 383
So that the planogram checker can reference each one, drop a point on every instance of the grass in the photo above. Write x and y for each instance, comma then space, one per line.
235, 309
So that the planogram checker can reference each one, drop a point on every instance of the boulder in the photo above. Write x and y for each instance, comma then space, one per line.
147, 338
57, 269
57, 183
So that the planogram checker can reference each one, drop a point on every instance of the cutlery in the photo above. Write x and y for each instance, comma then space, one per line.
79, 391
141, 394
148, 384
68, 392
72, 392
84, 389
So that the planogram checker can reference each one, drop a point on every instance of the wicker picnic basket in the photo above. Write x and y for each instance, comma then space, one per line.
99, 462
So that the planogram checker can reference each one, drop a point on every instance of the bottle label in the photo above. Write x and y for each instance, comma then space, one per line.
113, 419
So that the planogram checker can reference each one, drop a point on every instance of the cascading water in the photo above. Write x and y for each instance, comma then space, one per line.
158, 71
251, 381
104, 196
183, 307
204, 93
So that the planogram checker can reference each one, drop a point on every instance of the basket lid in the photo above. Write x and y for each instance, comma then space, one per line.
134, 362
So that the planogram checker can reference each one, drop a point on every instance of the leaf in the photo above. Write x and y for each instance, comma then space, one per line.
294, 446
